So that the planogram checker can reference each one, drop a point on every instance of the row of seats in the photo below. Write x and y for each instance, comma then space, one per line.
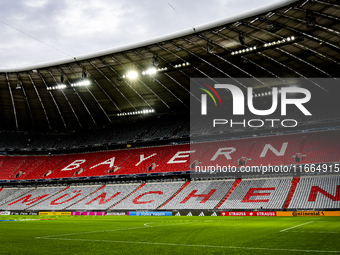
266, 193
322, 192
105, 197
200, 195
145, 130
150, 196
30, 198
274, 150
65, 198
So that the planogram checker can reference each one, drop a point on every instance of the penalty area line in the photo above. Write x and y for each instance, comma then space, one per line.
296, 226
192, 245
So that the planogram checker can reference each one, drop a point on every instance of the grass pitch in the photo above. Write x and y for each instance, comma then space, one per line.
169, 235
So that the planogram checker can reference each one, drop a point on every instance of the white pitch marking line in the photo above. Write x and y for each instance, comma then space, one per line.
314, 232
296, 226
83, 233
122, 229
192, 245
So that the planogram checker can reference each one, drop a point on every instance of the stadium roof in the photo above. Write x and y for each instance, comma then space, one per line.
285, 39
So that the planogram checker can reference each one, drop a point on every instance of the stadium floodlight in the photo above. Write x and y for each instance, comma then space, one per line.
57, 87
80, 83
131, 75
145, 111
182, 65
151, 71
268, 45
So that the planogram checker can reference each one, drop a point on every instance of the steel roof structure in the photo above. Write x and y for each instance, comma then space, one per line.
285, 39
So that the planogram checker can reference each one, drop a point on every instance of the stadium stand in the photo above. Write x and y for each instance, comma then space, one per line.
31, 198
104, 135
8, 194
311, 192
200, 195
149, 197
318, 147
105, 197
259, 194
295, 182
66, 197
317, 193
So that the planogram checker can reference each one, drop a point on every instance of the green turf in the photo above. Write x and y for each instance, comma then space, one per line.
170, 235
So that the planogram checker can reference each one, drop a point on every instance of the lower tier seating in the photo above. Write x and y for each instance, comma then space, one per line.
31, 198
259, 193
105, 197
321, 192
149, 197
200, 195
65, 198
311, 192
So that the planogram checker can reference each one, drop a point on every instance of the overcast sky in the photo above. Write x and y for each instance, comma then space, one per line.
34, 31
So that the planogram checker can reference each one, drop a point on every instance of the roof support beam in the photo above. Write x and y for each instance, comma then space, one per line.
81, 100
41, 102
68, 101
13, 104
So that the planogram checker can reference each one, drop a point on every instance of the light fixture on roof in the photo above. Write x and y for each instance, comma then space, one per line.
83, 75
265, 94
150, 71
210, 47
57, 87
131, 75
241, 39
268, 45
182, 65
19, 84
153, 70
310, 20
279, 42
155, 61
136, 112
79, 83
247, 50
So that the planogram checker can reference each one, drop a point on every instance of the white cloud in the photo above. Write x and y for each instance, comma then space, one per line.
36, 3
79, 27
